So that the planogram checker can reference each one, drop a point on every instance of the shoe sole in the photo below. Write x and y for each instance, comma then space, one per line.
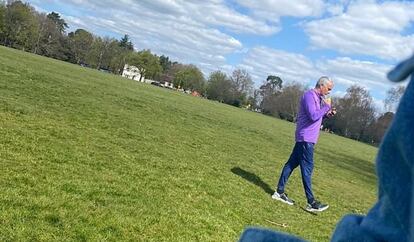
317, 210
283, 201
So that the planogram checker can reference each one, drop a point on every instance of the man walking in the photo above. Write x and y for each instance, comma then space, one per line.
313, 107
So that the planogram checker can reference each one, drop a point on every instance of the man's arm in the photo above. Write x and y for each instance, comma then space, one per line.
312, 110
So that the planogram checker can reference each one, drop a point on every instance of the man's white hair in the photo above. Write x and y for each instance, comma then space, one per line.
323, 81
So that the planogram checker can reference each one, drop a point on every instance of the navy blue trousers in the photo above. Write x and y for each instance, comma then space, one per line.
302, 155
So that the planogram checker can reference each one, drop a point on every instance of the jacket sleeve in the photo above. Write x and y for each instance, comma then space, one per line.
311, 108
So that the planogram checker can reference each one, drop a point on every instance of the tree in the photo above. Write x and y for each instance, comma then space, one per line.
165, 63
286, 104
168, 74
2, 22
60, 24
189, 77
147, 63
269, 91
126, 43
355, 113
169, 69
21, 27
100, 54
81, 43
378, 128
242, 86
394, 95
51, 40
43, 21
120, 54
254, 100
119, 57
219, 87
274, 81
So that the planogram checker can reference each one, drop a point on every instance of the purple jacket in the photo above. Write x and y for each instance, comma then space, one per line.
310, 117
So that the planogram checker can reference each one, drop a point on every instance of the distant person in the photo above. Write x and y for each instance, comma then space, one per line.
312, 108
392, 216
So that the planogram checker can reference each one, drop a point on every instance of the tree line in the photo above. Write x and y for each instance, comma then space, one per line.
22, 27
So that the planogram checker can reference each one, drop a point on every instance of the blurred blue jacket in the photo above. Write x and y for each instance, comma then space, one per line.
392, 217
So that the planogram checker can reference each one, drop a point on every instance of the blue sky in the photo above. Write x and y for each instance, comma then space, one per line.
353, 42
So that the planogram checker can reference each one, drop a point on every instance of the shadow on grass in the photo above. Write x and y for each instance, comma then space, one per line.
364, 169
253, 178
310, 212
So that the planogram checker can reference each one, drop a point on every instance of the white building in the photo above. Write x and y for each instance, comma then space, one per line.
132, 72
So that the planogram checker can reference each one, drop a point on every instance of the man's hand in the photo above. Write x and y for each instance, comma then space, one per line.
328, 101
331, 112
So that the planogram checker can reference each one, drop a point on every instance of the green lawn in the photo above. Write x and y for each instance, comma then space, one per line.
87, 155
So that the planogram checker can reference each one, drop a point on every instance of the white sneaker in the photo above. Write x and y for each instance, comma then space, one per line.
283, 198
317, 206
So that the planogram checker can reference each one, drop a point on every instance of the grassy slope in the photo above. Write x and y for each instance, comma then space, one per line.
91, 156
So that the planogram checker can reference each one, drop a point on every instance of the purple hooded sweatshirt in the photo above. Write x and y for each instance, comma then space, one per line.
310, 117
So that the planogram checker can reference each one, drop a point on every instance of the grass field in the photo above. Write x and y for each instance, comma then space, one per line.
87, 156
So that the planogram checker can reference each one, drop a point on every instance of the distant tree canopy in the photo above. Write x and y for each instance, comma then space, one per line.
286, 104
393, 97
147, 63
126, 43
51, 40
235, 90
3, 31
22, 27
378, 127
189, 77
269, 91
59, 24
219, 87
80, 43
274, 82
355, 114
242, 87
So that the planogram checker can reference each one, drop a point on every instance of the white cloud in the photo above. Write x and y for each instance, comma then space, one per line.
272, 10
348, 72
338, 93
203, 33
172, 30
379, 105
186, 31
212, 13
261, 62
367, 28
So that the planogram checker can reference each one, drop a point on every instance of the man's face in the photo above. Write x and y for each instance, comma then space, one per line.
326, 89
